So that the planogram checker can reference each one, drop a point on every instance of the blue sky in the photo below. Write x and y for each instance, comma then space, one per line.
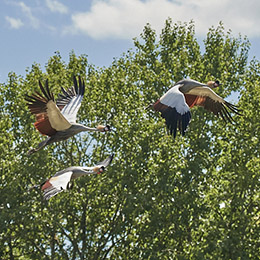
32, 30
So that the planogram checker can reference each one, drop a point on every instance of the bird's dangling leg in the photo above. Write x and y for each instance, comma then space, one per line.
40, 146
149, 106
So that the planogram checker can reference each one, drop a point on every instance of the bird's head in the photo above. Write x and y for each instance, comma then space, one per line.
99, 170
102, 128
213, 84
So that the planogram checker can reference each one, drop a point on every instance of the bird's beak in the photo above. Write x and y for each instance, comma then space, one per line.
216, 84
101, 170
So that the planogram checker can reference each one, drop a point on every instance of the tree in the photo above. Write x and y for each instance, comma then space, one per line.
194, 197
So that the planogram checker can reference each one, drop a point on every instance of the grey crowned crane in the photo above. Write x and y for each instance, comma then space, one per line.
62, 179
175, 104
58, 121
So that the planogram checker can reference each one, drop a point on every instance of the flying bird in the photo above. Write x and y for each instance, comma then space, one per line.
175, 104
58, 121
62, 179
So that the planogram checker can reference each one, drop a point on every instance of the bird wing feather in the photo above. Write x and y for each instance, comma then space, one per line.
49, 119
56, 184
107, 161
212, 102
175, 99
206, 92
57, 120
98, 166
174, 109
70, 101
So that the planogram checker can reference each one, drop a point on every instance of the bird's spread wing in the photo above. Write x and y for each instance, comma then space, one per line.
174, 109
48, 116
56, 184
99, 167
69, 101
205, 92
207, 98
107, 161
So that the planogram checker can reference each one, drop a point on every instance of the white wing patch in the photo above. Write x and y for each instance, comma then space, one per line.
56, 184
57, 120
71, 109
175, 99
61, 181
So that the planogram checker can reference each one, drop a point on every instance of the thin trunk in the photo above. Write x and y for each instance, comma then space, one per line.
10, 249
83, 230
52, 244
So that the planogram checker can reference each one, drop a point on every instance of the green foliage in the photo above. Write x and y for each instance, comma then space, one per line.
196, 197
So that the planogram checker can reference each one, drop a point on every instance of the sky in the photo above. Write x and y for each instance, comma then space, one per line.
33, 30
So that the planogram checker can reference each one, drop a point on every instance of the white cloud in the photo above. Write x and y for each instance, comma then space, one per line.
15, 23
56, 6
126, 18
28, 13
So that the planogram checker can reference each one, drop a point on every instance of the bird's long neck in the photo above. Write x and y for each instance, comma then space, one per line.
88, 170
91, 129
81, 128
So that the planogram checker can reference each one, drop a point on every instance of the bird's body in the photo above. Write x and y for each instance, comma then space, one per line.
175, 104
62, 179
58, 121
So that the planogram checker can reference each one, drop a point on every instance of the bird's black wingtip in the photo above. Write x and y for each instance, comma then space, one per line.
31, 151
111, 156
175, 120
